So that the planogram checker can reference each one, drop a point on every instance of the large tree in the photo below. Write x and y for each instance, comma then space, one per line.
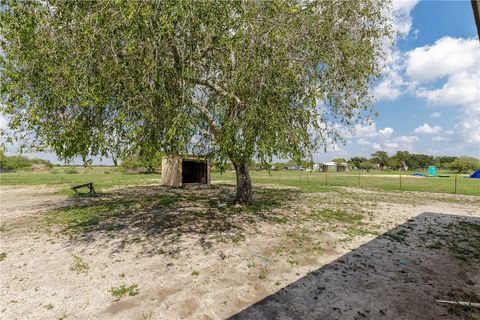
233, 80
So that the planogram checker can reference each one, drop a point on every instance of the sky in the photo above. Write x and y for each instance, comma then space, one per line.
428, 97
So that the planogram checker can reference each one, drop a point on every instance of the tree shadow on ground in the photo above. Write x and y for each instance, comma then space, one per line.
398, 275
159, 217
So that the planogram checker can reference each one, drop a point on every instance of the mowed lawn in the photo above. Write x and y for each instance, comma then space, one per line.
107, 177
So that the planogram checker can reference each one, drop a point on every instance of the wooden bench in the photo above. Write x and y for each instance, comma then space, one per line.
91, 190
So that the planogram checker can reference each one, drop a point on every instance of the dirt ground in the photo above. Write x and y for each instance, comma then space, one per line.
187, 254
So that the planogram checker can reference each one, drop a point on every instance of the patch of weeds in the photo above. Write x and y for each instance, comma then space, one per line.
356, 231
398, 236
49, 306
123, 290
3, 255
195, 273
122, 275
137, 239
220, 239
316, 248
238, 238
281, 220
251, 264
435, 245
299, 237
303, 236
293, 262
168, 201
280, 251
3, 227
78, 265
263, 274
278, 283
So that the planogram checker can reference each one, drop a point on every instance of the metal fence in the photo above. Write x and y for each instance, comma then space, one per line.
311, 181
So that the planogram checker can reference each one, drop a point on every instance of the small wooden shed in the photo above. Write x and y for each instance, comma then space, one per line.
178, 171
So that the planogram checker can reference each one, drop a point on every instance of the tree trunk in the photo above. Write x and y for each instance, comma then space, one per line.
244, 184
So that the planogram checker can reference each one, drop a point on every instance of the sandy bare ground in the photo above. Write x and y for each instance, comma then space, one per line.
194, 257
23, 201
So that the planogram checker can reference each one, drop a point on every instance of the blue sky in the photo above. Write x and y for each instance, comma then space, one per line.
429, 95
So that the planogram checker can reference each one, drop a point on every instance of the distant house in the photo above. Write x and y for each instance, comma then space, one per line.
331, 167
342, 167
295, 168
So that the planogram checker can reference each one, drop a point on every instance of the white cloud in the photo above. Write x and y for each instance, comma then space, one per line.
436, 115
390, 87
365, 131
427, 129
392, 84
369, 137
362, 141
445, 57
403, 20
457, 60
406, 139
462, 88
387, 132
470, 129
391, 145
370, 131
439, 138
449, 132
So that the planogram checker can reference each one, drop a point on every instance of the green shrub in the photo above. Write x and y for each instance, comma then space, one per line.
14, 163
123, 290
71, 170
464, 164
143, 162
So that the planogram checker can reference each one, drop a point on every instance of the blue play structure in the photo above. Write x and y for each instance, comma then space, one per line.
475, 175
432, 171
418, 174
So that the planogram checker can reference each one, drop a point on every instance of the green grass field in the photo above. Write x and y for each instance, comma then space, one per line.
316, 181
102, 177
106, 177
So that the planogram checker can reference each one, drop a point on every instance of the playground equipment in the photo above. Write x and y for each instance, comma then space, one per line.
432, 171
475, 175
418, 174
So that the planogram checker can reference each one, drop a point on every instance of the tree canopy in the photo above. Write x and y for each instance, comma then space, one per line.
228, 79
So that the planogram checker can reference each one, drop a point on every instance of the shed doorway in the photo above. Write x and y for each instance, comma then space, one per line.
194, 171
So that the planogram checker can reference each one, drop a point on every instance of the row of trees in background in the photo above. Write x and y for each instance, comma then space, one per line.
144, 163
14, 163
404, 160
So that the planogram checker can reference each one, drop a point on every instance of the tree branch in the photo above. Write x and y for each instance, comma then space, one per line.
219, 90
203, 110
